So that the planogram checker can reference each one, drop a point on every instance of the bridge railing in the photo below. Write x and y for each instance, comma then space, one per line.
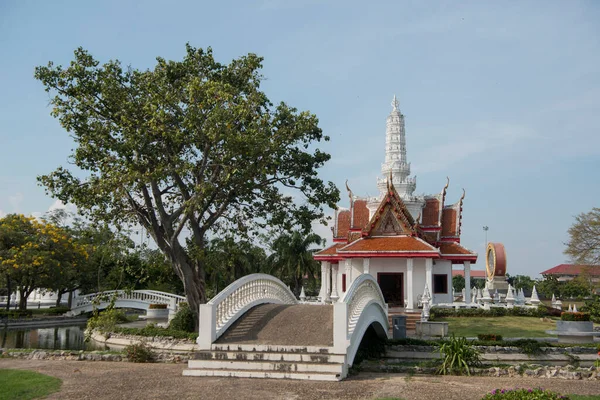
232, 302
144, 296
361, 305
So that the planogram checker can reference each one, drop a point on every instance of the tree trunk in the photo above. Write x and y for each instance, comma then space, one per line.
24, 294
70, 301
9, 293
193, 284
59, 297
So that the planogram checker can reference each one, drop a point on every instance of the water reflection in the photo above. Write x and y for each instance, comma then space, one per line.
58, 338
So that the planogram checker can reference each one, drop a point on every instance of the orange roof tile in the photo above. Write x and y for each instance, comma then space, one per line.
449, 225
393, 244
330, 251
573, 269
343, 224
361, 214
452, 248
431, 213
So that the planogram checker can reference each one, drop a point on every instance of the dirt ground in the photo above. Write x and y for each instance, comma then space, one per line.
118, 380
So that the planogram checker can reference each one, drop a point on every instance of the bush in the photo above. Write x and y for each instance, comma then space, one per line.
529, 346
592, 306
540, 311
458, 355
183, 320
139, 353
489, 337
15, 314
523, 394
157, 306
152, 330
575, 316
106, 321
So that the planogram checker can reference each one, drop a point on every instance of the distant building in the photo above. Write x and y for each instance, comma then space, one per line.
567, 272
475, 274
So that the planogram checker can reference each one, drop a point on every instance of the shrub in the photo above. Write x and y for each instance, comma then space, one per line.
157, 306
106, 321
492, 337
139, 353
458, 356
529, 346
540, 311
16, 314
152, 330
575, 316
592, 306
183, 320
523, 394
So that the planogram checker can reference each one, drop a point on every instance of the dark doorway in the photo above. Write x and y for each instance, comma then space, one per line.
392, 287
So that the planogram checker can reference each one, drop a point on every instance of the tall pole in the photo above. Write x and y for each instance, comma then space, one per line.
485, 229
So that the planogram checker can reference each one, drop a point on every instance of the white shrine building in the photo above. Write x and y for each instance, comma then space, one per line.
405, 241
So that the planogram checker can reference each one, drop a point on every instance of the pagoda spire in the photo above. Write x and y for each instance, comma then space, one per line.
395, 104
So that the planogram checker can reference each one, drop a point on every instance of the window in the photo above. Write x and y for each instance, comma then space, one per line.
440, 283
344, 283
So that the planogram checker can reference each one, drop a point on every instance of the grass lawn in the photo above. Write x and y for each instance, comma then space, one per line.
508, 327
24, 385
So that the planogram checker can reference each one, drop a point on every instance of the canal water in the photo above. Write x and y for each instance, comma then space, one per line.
56, 338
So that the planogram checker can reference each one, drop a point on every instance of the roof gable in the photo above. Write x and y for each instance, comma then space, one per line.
392, 217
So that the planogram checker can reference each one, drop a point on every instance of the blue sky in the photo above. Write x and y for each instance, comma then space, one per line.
502, 97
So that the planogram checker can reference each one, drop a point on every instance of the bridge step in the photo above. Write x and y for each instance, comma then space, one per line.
283, 362
313, 376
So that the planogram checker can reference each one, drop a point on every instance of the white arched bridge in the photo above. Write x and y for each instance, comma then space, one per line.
138, 299
257, 328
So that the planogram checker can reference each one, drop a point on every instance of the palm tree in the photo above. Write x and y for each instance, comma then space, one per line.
292, 258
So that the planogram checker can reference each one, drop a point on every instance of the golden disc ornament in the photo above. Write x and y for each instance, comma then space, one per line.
495, 260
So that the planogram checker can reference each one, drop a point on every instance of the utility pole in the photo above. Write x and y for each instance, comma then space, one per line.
486, 229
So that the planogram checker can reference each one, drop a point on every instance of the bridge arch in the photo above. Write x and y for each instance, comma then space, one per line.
364, 306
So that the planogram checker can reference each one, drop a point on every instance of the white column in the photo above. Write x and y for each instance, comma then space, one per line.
366, 265
429, 275
323, 292
409, 284
348, 273
467, 265
334, 279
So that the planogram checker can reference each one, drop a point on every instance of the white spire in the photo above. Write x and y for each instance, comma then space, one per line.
395, 104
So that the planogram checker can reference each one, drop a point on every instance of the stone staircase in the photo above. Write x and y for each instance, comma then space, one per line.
268, 361
411, 319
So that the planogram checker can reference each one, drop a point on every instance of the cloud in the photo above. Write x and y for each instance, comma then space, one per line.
2, 214
15, 201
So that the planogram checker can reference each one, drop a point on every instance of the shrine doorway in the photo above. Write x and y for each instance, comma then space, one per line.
392, 287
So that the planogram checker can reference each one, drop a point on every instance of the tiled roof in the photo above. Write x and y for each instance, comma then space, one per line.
331, 250
474, 273
389, 244
361, 214
343, 224
431, 212
449, 225
451, 248
573, 269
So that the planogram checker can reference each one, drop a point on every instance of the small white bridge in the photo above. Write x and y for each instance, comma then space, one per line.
138, 299
257, 328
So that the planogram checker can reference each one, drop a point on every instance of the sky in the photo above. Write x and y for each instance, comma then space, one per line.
501, 97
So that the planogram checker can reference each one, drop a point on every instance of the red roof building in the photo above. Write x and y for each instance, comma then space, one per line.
566, 272
407, 242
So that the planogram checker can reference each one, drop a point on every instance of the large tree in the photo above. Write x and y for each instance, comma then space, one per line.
188, 149
583, 246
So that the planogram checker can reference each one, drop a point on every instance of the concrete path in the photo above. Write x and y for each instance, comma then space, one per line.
114, 380
285, 325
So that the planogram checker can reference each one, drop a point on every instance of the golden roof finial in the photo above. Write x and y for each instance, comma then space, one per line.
349, 190
463, 196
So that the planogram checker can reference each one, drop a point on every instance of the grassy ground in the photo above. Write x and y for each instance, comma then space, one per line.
24, 385
508, 327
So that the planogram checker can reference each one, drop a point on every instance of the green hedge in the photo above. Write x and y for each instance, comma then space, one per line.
492, 337
540, 311
33, 312
575, 316
152, 330
523, 394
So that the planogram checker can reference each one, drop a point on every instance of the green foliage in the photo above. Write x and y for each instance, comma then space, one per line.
183, 320
492, 337
106, 321
292, 259
583, 246
438, 312
523, 394
25, 385
188, 149
522, 282
592, 306
574, 316
139, 353
458, 356
458, 283
151, 330
530, 347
